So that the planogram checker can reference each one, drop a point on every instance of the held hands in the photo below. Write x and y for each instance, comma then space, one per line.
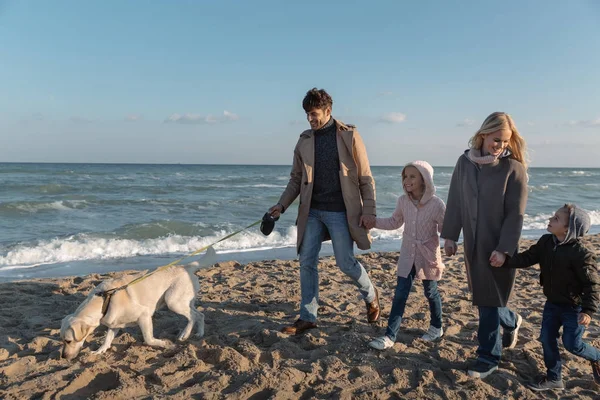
367, 221
276, 210
583, 319
450, 247
497, 259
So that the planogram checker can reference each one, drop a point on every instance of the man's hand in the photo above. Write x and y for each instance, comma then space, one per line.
497, 259
450, 247
276, 210
367, 221
584, 319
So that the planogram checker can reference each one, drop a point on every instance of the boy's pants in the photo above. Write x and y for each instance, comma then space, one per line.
555, 316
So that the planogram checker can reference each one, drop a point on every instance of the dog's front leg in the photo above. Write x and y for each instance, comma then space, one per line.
110, 335
145, 323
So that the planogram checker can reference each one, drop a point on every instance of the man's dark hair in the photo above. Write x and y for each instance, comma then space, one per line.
316, 98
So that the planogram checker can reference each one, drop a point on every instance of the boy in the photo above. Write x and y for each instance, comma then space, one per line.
571, 283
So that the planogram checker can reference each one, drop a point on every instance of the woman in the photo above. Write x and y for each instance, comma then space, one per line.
486, 200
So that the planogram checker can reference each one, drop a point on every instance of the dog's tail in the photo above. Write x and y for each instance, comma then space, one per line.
209, 258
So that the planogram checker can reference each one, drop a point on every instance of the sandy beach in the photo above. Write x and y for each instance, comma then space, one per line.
244, 356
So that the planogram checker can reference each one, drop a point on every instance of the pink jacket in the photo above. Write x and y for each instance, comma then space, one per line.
420, 241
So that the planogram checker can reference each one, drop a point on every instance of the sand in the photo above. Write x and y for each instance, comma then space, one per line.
244, 356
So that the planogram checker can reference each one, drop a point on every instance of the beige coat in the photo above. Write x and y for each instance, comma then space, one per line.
358, 186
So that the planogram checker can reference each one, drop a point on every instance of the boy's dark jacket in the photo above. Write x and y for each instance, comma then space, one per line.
569, 273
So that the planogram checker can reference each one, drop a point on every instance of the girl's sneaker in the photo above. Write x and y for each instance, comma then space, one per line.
381, 343
432, 334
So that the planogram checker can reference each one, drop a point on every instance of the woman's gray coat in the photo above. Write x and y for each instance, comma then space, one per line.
487, 202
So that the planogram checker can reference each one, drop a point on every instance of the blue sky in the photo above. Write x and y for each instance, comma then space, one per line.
223, 81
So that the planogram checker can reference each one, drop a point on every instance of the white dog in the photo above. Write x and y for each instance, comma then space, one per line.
174, 286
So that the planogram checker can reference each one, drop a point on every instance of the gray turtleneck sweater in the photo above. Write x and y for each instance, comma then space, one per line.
327, 190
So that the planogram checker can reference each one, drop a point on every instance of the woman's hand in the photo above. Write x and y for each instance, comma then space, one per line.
497, 259
450, 247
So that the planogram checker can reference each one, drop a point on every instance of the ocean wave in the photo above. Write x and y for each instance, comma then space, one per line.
380, 234
263, 185
54, 188
162, 228
85, 247
538, 188
237, 186
540, 221
33, 207
577, 173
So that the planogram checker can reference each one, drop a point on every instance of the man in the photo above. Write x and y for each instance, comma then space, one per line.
331, 173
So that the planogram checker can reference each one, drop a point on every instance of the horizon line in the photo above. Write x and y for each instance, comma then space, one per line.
232, 165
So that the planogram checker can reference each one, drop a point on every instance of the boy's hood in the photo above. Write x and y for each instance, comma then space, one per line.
426, 171
579, 225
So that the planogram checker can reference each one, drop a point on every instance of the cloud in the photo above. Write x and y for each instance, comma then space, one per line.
197, 119
80, 120
393, 118
585, 123
133, 117
385, 93
229, 116
466, 122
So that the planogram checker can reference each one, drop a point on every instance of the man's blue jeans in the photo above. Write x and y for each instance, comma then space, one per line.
318, 224
488, 334
555, 316
403, 287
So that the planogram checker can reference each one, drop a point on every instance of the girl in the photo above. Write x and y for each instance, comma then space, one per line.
422, 214
486, 200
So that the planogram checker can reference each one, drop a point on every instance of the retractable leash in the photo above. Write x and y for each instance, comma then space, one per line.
267, 224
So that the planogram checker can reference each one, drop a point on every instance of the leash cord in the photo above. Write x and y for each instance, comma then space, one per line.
141, 278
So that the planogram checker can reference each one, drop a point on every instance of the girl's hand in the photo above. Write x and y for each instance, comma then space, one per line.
497, 259
584, 319
450, 247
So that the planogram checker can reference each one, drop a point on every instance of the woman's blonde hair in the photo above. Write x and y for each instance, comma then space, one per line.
500, 121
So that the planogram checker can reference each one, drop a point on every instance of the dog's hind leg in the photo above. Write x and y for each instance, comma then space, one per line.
110, 335
187, 310
145, 323
199, 322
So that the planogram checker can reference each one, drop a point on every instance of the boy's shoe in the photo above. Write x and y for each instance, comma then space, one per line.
298, 327
596, 371
481, 369
546, 384
432, 334
381, 343
510, 338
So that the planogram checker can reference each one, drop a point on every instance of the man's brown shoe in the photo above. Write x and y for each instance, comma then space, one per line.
373, 309
298, 327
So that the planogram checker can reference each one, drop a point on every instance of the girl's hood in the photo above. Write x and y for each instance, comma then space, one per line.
426, 171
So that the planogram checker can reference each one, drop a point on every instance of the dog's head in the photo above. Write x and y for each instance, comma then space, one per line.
73, 332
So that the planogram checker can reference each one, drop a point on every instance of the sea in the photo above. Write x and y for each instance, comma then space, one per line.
76, 219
